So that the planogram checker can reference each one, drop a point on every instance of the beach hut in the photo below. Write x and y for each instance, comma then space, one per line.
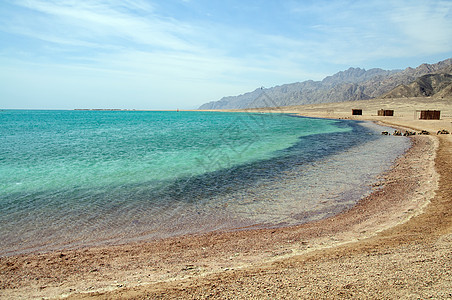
430, 114
386, 112
357, 112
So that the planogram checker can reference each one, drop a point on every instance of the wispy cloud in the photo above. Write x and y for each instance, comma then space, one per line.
132, 37
118, 23
211, 49
359, 31
338, 31
427, 27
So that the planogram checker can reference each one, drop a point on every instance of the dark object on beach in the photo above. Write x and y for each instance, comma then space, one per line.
424, 132
408, 133
385, 133
357, 112
397, 132
444, 131
386, 112
430, 115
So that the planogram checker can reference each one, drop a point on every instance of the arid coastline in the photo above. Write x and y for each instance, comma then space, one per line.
402, 228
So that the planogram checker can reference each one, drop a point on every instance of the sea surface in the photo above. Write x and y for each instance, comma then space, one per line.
72, 179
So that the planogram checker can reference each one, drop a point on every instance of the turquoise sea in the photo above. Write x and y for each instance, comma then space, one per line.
71, 179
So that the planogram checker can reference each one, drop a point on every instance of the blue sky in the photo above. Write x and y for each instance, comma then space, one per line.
143, 54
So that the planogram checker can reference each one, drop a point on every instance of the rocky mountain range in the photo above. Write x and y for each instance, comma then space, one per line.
438, 85
352, 84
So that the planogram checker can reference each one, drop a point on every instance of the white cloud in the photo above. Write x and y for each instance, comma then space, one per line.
426, 26
132, 42
97, 22
338, 32
351, 31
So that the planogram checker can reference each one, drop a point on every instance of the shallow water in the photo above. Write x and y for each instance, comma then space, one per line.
79, 178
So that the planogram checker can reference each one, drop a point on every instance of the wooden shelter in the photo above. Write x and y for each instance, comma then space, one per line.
357, 112
430, 115
386, 112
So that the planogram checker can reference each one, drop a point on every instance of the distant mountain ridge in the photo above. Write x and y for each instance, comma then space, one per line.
348, 85
438, 85
355, 75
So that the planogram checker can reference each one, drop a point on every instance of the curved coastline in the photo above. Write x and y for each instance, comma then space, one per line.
307, 169
393, 219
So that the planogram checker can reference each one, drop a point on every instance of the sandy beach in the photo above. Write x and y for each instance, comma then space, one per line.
395, 243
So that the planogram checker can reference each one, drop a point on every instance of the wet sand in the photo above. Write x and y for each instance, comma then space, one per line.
394, 243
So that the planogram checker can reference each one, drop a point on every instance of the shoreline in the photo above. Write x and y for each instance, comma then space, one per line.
187, 265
